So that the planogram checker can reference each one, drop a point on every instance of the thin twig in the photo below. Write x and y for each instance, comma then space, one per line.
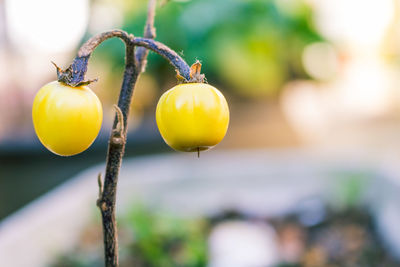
116, 146
150, 33
74, 75
173, 58
100, 184
88, 47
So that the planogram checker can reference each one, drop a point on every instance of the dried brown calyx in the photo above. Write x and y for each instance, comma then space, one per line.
195, 74
67, 76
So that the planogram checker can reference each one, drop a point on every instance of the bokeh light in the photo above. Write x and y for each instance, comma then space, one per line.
46, 25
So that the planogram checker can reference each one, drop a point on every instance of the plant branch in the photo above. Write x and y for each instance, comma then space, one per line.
74, 75
174, 59
150, 33
116, 148
135, 63
117, 141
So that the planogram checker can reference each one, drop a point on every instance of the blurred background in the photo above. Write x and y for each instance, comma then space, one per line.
307, 81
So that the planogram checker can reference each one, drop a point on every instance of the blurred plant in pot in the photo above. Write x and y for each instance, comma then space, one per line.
342, 237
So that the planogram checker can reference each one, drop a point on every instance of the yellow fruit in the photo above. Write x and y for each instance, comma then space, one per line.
66, 119
192, 117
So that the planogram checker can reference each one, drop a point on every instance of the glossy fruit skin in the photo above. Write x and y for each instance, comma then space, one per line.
192, 117
66, 119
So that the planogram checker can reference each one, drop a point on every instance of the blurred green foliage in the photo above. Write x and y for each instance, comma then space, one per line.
147, 239
162, 240
250, 47
351, 187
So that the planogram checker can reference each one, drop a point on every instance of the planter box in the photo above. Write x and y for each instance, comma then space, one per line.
268, 183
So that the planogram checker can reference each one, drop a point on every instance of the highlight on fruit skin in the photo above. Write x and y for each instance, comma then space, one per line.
192, 117
66, 119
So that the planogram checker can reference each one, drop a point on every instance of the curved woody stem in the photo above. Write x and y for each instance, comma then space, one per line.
135, 64
116, 148
149, 32
74, 75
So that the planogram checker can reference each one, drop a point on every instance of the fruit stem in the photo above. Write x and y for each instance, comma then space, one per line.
134, 66
74, 75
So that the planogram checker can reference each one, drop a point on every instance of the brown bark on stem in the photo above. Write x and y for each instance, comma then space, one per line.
74, 75
116, 145
116, 148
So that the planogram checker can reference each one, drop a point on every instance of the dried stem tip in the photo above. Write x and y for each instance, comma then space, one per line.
195, 73
67, 76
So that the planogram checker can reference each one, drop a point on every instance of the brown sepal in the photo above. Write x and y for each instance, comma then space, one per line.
65, 76
195, 73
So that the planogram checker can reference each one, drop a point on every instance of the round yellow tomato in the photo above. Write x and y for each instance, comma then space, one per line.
66, 119
192, 117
